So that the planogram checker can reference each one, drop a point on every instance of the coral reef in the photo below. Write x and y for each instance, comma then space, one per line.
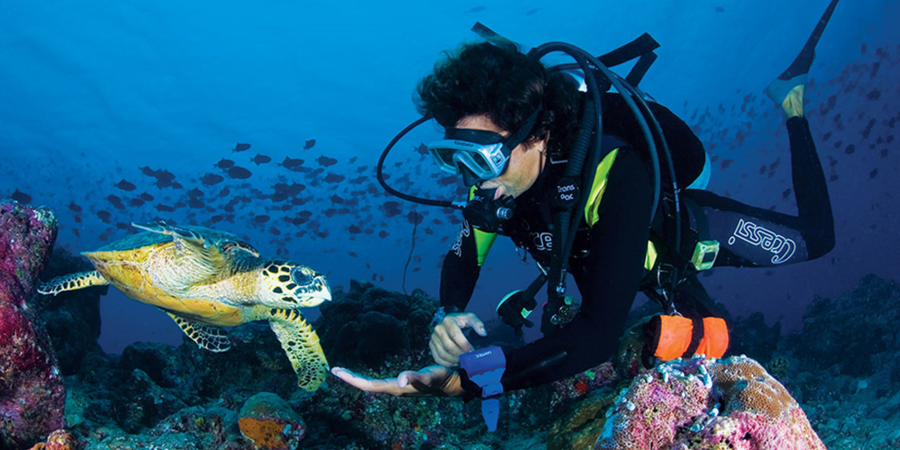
58, 440
850, 331
368, 325
32, 394
268, 421
705, 404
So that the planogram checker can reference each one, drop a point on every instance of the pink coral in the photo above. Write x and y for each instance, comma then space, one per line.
706, 404
32, 395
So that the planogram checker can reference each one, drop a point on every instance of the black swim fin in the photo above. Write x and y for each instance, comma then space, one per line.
796, 74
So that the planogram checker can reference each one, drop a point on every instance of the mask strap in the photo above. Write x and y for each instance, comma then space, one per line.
522, 133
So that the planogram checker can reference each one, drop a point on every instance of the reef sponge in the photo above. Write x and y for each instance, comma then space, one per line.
58, 440
706, 404
268, 421
32, 395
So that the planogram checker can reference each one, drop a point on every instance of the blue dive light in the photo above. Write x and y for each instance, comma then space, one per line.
485, 368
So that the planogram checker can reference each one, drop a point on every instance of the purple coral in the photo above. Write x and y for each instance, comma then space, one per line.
32, 395
706, 404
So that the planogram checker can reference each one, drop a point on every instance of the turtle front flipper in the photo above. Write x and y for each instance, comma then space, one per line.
71, 282
206, 337
196, 260
301, 343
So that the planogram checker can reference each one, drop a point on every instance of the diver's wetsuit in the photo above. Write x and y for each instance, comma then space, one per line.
607, 260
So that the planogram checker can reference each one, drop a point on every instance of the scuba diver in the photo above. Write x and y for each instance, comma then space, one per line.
588, 181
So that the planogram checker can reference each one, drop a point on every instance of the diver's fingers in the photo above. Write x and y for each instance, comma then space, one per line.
441, 356
451, 338
386, 386
470, 320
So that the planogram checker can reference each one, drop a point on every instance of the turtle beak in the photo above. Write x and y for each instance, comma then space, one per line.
314, 294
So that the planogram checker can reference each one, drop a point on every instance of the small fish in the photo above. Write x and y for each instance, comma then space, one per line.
194, 193
135, 202
291, 164
240, 147
21, 197
164, 208
239, 173
115, 201
146, 170
353, 159
334, 178
125, 185
476, 9
326, 161
260, 159
422, 149
146, 197
211, 179
74, 207
224, 163
354, 229
261, 219
309, 144
104, 215
720, 9
532, 11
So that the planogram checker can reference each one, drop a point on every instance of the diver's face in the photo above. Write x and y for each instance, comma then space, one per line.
525, 162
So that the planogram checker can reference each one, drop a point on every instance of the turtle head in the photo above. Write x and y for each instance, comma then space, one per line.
288, 282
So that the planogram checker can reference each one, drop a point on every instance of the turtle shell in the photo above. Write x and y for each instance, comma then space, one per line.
150, 268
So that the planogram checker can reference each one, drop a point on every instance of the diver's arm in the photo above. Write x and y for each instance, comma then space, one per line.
618, 247
460, 271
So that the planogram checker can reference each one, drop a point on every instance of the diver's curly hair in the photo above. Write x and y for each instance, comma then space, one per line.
498, 80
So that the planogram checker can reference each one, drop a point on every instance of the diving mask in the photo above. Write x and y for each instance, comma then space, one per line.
482, 153
478, 154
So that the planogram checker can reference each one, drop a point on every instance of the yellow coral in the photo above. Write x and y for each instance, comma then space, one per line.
263, 433
748, 387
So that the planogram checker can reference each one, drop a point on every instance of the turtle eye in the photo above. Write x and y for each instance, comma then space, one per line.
300, 277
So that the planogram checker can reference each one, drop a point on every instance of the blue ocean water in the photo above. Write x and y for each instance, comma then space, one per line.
120, 112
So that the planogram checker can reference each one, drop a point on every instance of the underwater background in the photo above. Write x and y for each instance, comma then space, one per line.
267, 119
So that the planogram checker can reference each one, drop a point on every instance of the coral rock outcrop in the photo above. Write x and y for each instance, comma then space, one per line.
705, 404
32, 395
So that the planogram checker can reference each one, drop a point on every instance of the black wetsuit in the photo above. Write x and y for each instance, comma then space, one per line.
607, 260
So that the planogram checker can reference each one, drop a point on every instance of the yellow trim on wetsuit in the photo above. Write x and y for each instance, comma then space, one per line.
592, 206
483, 240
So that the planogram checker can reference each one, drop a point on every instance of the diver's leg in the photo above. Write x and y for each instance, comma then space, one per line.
751, 236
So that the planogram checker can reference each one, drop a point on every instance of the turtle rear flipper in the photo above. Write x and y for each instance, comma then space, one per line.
196, 260
206, 337
301, 343
72, 282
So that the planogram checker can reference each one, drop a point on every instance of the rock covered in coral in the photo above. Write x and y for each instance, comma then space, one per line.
852, 330
582, 424
269, 422
32, 395
368, 325
58, 440
704, 404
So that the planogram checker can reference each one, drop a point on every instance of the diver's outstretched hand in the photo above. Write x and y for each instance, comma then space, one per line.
448, 341
432, 381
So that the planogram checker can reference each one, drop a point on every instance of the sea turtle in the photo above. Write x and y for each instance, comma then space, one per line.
206, 279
